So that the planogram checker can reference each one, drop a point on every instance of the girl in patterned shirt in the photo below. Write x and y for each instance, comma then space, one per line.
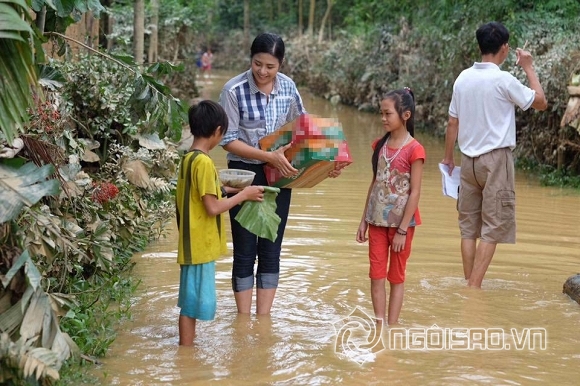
391, 210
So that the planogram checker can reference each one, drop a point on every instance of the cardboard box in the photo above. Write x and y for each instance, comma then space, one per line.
318, 147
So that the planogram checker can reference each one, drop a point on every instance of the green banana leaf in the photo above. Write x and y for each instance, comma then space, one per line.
260, 218
18, 73
24, 186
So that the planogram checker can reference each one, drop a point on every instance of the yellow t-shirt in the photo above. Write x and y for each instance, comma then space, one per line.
201, 237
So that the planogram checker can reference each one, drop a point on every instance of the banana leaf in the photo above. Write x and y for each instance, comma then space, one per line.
24, 186
18, 74
260, 218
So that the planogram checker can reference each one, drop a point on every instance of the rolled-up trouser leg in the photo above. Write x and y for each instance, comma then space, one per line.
267, 280
243, 283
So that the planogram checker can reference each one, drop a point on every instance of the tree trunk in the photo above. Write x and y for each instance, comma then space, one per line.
41, 19
106, 22
311, 18
325, 18
153, 41
300, 23
138, 30
246, 25
106, 27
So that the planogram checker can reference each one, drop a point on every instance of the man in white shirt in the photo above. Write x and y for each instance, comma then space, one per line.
482, 120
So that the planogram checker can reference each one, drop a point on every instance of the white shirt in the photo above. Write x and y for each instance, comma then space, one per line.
484, 100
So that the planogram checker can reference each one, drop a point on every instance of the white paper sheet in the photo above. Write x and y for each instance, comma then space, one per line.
450, 183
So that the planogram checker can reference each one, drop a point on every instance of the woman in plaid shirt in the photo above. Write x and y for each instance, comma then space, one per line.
258, 102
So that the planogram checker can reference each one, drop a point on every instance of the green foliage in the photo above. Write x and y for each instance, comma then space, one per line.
98, 98
62, 13
152, 102
103, 301
265, 16
427, 48
113, 101
448, 16
64, 8
181, 27
18, 74
18, 40
110, 207
96, 128
549, 175
560, 178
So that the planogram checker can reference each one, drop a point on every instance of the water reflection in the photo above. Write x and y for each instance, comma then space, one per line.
324, 278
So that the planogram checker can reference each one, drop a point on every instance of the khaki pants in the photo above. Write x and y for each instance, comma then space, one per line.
487, 201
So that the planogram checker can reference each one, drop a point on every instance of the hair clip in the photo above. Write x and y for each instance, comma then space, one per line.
408, 89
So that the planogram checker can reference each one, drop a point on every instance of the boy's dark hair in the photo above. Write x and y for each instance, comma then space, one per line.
268, 43
491, 36
404, 100
205, 117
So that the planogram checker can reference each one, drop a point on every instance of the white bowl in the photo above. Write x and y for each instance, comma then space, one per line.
236, 178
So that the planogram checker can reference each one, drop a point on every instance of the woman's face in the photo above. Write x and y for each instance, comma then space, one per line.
264, 68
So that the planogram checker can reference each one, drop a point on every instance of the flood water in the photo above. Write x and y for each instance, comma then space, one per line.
520, 329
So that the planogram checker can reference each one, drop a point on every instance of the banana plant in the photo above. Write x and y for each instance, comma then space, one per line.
17, 71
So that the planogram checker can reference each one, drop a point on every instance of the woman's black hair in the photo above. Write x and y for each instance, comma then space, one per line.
205, 117
268, 43
404, 100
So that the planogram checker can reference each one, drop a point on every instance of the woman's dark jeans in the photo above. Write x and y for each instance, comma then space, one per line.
247, 245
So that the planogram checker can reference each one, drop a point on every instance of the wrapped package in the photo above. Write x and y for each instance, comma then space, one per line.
318, 147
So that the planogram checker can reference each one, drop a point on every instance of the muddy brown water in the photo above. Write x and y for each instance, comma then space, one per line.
518, 330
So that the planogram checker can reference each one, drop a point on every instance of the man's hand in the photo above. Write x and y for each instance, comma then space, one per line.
450, 164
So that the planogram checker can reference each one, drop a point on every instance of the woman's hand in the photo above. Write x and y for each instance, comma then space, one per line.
278, 160
338, 166
334, 173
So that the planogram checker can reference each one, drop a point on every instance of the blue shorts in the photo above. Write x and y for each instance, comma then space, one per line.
197, 295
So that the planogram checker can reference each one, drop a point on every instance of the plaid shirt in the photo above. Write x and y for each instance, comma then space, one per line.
251, 115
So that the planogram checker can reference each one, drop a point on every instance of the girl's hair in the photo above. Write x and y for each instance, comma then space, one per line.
205, 117
404, 100
268, 43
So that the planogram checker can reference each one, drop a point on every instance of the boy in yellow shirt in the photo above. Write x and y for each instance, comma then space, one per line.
200, 204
